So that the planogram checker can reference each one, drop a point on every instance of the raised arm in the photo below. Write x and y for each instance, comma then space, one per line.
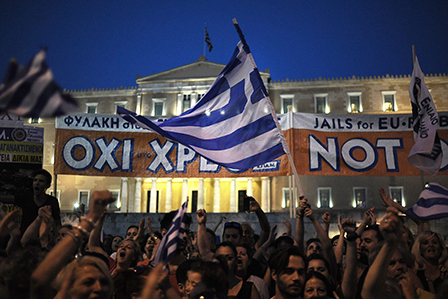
422, 225
327, 248
376, 277
339, 249
203, 243
300, 228
326, 218
95, 237
349, 280
63, 252
262, 220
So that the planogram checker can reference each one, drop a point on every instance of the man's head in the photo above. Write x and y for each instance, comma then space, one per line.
369, 238
288, 269
318, 263
248, 235
313, 245
401, 260
233, 232
41, 181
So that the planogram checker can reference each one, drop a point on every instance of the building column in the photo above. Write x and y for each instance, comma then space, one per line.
124, 195
233, 196
194, 99
138, 195
184, 191
250, 187
138, 108
153, 201
200, 194
169, 194
179, 104
264, 193
217, 195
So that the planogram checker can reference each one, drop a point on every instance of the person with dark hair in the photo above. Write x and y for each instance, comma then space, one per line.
313, 245
238, 288
317, 286
233, 232
288, 268
31, 203
245, 272
206, 278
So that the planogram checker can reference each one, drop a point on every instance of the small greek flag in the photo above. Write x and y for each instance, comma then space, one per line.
173, 237
31, 91
432, 204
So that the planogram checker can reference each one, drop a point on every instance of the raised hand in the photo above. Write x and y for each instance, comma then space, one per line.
390, 226
99, 202
201, 216
326, 218
349, 226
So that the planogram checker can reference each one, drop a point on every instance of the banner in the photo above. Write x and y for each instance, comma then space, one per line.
321, 144
357, 144
107, 145
21, 153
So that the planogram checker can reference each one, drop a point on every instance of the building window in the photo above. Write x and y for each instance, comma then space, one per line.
320, 103
397, 195
199, 96
121, 104
186, 102
359, 197
34, 120
92, 108
286, 201
58, 194
324, 197
287, 100
116, 205
389, 104
83, 200
158, 107
354, 102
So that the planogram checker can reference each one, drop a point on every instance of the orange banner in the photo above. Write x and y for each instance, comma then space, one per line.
125, 151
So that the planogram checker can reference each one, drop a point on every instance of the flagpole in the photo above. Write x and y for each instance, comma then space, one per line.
285, 146
205, 26
422, 179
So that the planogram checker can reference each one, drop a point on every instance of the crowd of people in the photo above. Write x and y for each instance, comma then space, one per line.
74, 258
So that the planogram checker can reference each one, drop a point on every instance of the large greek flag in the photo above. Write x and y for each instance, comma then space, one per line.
426, 154
432, 203
234, 124
31, 91
175, 235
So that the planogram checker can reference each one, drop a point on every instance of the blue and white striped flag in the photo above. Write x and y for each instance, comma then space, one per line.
234, 124
173, 237
426, 154
31, 91
432, 204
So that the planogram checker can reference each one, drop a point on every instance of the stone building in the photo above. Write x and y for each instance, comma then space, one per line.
169, 93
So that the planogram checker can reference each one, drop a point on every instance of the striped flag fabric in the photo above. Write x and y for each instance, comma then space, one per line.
173, 237
208, 41
432, 203
31, 91
234, 124
426, 154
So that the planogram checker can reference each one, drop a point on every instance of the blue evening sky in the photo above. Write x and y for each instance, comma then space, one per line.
104, 44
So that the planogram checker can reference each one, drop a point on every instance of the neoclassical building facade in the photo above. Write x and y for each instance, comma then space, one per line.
169, 93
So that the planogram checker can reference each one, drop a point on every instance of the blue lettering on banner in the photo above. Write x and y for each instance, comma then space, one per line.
208, 167
270, 166
161, 158
330, 153
185, 155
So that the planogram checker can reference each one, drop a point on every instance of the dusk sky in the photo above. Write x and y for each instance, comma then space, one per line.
105, 44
